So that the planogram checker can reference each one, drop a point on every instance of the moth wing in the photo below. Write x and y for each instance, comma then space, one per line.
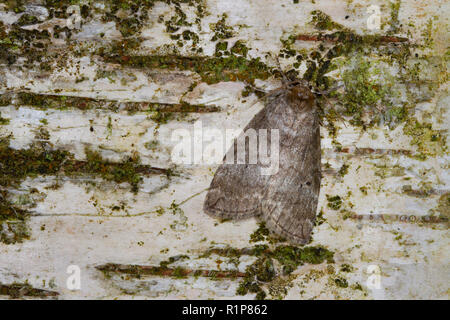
236, 190
290, 203
232, 195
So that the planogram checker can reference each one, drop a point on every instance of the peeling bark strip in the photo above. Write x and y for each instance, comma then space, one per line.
18, 290
344, 37
178, 272
48, 101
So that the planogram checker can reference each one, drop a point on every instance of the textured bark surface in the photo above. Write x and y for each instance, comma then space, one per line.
87, 111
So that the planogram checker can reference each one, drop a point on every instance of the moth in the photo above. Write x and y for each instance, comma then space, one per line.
287, 200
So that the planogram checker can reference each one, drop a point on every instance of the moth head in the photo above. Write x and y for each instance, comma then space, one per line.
300, 91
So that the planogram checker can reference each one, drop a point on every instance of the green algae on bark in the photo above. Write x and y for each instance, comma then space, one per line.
16, 165
443, 207
263, 234
291, 257
163, 270
271, 272
117, 172
334, 202
3, 121
64, 102
341, 282
210, 69
322, 21
13, 221
363, 91
373, 93
260, 234
394, 23
221, 29
429, 142
129, 16
264, 273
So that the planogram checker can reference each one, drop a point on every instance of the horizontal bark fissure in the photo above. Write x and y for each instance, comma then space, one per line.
178, 272
402, 218
18, 290
51, 101
347, 36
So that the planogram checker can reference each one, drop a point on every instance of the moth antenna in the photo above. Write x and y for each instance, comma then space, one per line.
248, 84
284, 79
256, 89
324, 92
266, 94
320, 107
